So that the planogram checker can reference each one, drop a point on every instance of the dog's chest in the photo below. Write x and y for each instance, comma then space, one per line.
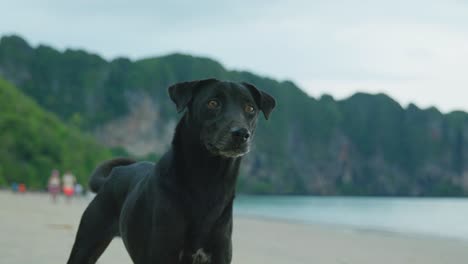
206, 215
206, 208
197, 257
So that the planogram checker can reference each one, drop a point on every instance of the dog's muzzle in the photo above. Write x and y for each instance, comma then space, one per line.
234, 144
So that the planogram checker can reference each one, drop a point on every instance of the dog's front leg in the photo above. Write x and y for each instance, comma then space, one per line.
162, 244
222, 246
220, 242
166, 249
161, 239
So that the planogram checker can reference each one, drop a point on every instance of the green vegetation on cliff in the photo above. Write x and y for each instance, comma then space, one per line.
363, 145
33, 142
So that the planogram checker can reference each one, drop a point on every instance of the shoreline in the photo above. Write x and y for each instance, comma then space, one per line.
35, 230
351, 228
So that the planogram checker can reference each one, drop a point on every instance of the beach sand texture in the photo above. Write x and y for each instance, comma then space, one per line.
34, 230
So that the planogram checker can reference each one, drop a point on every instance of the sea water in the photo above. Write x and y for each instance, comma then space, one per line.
441, 217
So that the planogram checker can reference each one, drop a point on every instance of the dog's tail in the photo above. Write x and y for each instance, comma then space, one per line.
99, 175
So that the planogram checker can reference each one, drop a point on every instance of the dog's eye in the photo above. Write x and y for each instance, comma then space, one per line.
249, 108
213, 104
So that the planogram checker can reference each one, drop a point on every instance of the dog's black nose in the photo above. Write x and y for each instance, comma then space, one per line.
240, 134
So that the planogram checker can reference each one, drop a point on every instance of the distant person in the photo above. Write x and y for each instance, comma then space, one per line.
14, 187
54, 185
22, 188
68, 185
78, 190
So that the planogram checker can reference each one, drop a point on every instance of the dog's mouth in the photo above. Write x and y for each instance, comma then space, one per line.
229, 151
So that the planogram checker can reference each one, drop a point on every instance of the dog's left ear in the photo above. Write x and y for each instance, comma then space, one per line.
265, 101
182, 93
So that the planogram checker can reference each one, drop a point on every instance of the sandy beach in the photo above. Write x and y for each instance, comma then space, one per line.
34, 230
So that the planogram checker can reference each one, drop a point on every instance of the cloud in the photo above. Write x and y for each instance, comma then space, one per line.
420, 63
413, 50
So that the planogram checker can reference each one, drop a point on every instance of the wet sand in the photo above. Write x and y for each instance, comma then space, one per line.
34, 230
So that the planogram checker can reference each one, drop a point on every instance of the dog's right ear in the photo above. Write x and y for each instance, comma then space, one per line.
182, 93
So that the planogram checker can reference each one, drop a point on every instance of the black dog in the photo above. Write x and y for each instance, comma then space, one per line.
179, 210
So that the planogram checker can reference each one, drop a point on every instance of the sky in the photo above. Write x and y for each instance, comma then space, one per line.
415, 51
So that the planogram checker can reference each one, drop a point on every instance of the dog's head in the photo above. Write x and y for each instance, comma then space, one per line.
222, 114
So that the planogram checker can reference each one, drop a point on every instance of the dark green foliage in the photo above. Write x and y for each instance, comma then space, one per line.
33, 142
364, 145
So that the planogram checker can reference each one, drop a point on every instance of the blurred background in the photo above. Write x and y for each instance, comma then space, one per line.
371, 104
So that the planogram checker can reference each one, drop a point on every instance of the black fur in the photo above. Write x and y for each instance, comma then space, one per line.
178, 211
99, 175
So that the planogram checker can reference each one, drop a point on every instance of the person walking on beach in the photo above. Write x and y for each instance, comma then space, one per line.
78, 190
68, 185
14, 187
22, 188
54, 185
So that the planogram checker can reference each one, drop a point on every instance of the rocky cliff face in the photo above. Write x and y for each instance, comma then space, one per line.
364, 145
141, 131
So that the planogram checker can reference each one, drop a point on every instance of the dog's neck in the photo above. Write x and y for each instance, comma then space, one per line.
196, 165
205, 182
